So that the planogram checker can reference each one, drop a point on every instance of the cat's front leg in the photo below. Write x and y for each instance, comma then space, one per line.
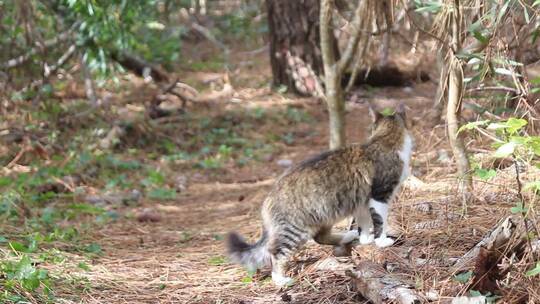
379, 216
365, 225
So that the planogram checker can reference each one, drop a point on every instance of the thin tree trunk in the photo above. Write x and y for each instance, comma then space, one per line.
453, 111
387, 7
332, 76
439, 102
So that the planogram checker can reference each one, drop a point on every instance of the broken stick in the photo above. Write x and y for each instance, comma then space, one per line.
495, 239
379, 286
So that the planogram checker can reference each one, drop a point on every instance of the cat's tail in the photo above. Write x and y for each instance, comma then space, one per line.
252, 256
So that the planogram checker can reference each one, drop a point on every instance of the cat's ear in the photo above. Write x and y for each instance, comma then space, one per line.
374, 114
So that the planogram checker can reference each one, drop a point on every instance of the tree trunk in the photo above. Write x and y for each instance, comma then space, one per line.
385, 50
294, 31
453, 110
332, 75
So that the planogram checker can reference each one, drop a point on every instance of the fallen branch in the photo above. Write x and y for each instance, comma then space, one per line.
494, 240
378, 286
140, 67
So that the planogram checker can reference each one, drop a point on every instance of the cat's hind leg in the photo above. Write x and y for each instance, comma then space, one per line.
283, 243
325, 236
379, 216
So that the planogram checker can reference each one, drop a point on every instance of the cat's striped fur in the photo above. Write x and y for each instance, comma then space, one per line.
307, 200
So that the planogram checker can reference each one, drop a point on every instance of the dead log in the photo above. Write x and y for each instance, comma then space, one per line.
495, 240
378, 286
139, 66
186, 94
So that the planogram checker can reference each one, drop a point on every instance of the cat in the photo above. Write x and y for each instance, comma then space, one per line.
359, 180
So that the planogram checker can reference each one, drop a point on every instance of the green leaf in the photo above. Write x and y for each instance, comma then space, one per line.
505, 150
18, 247
30, 283
485, 174
472, 125
428, 6
83, 266
247, 280
535, 80
515, 124
216, 261
534, 186
518, 208
86, 208
503, 71
463, 277
5, 181
162, 194
387, 112
24, 268
512, 125
535, 271
480, 37
93, 248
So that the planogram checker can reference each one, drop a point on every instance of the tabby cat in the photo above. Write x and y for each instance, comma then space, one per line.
359, 180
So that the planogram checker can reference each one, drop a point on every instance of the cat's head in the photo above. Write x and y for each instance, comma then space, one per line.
389, 122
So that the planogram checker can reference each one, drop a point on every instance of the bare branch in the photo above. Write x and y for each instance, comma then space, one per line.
352, 44
500, 89
33, 51
49, 70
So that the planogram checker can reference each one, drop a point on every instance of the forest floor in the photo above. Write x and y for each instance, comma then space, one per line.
168, 248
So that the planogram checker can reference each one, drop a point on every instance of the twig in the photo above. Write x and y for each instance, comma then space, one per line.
49, 70
14, 62
352, 45
18, 156
502, 89
422, 30
522, 200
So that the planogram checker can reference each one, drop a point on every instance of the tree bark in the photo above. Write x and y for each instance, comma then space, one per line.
294, 30
453, 110
332, 79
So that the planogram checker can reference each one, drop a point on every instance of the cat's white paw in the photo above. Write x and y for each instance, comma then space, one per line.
281, 281
384, 241
349, 236
366, 239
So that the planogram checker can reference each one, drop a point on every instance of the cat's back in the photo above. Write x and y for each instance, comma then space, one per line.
329, 168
